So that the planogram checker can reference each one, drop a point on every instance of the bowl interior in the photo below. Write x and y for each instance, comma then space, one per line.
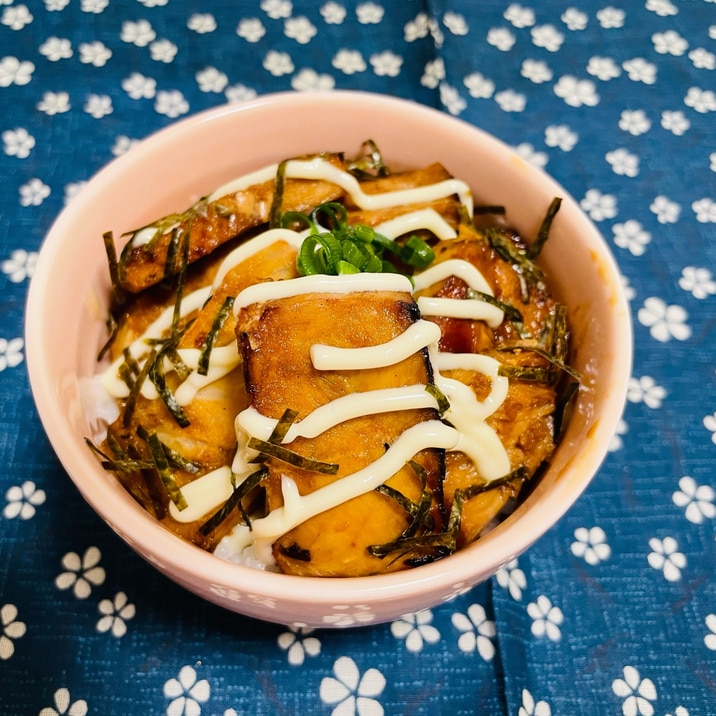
69, 293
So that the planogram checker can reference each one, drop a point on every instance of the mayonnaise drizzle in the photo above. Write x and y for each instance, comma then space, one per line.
298, 508
320, 169
417, 336
467, 432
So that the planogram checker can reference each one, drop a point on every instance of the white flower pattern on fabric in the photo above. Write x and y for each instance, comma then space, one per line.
611, 17
81, 573
115, 614
617, 443
350, 693
663, 8
664, 322
575, 19
56, 49
560, 136
369, 13
665, 557
53, 103
511, 101
530, 707
451, 99
702, 59
333, 13
669, 43
64, 706
13, 71
501, 38
171, 103
637, 693
11, 354
536, 71
300, 29
416, 629
94, 53
186, 693
512, 578
710, 424
298, 644
349, 62
701, 101
591, 545
599, 206
163, 51
477, 631
623, 162
456, 23
250, 29
675, 121
211, 79
705, 210
277, 9
576, 92
631, 235
201, 23
139, 33
697, 500
646, 390
22, 500
635, 122
137, 86
98, 106
667, 211
16, 17
640, 70
34, 192
11, 628
479, 86
18, 142
603, 68
710, 638
531, 155
547, 37
309, 80
519, 16
546, 618
20, 266
698, 281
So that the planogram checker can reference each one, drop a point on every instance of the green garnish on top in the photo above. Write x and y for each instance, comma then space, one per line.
335, 247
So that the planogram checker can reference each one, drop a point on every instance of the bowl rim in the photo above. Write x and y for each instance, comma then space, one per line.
174, 554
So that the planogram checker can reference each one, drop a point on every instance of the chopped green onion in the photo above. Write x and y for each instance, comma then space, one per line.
440, 397
416, 252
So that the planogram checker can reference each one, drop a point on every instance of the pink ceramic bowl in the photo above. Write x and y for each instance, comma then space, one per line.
69, 294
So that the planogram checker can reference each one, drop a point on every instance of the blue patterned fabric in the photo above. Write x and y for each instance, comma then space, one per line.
614, 610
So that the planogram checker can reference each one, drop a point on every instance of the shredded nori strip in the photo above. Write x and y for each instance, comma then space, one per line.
219, 320
136, 388
279, 188
118, 294
532, 374
369, 163
497, 209
510, 311
161, 464
157, 376
543, 234
563, 402
292, 458
254, 479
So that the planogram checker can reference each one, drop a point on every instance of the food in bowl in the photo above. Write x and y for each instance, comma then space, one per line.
328, 368
65, 325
